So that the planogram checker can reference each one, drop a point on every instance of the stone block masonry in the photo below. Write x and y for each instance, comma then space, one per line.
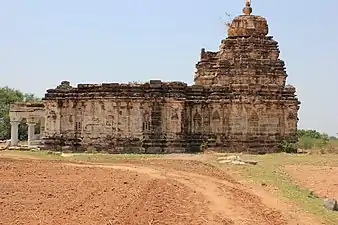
240, 103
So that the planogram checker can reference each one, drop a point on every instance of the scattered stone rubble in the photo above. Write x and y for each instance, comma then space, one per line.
236, 160
4, 144
331, 204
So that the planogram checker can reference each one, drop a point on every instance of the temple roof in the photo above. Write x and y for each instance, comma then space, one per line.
248, 25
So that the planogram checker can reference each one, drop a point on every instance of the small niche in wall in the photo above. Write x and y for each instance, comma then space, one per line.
78, 126
215, 115
174, 116
102, 105
146, 126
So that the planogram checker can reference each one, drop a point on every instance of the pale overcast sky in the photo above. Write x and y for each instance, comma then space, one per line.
43, 42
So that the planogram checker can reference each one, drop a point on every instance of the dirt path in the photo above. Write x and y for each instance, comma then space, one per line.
159, 191
229, 201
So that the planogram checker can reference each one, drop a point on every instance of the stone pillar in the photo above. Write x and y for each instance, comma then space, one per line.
42, 127
15, 133
31, 132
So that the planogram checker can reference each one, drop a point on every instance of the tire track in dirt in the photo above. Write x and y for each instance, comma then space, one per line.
191, 192
228, 201
232, 200
45, 192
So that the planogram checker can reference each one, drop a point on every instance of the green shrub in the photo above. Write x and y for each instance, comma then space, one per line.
306, 142
288, 147
322, 143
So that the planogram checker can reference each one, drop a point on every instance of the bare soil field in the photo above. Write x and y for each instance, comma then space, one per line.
323, 180
133, 192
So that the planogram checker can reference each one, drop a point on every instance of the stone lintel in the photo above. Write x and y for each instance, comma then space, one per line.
15, 122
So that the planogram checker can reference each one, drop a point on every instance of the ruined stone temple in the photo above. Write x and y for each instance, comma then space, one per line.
239, 103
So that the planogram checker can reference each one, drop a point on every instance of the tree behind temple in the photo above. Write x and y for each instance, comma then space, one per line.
9, 96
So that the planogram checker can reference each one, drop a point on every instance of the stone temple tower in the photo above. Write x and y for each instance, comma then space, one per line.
248, 64
247, 57
239, 103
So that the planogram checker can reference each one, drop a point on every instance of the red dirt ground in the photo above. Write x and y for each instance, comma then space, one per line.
140, 192
323, 180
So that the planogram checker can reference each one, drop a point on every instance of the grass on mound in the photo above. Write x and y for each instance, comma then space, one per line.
270, 170
86, 157
103, 157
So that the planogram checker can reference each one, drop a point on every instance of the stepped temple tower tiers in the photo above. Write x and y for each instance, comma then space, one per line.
239, 103
262, 110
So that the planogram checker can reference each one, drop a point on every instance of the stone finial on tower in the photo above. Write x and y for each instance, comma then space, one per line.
247, 25
247, 10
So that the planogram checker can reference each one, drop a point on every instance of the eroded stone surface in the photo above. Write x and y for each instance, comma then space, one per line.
240, 102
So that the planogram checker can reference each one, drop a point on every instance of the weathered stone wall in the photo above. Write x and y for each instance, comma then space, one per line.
238, 126
166, 117
116, 118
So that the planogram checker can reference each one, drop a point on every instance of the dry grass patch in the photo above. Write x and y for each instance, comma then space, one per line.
271, 172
